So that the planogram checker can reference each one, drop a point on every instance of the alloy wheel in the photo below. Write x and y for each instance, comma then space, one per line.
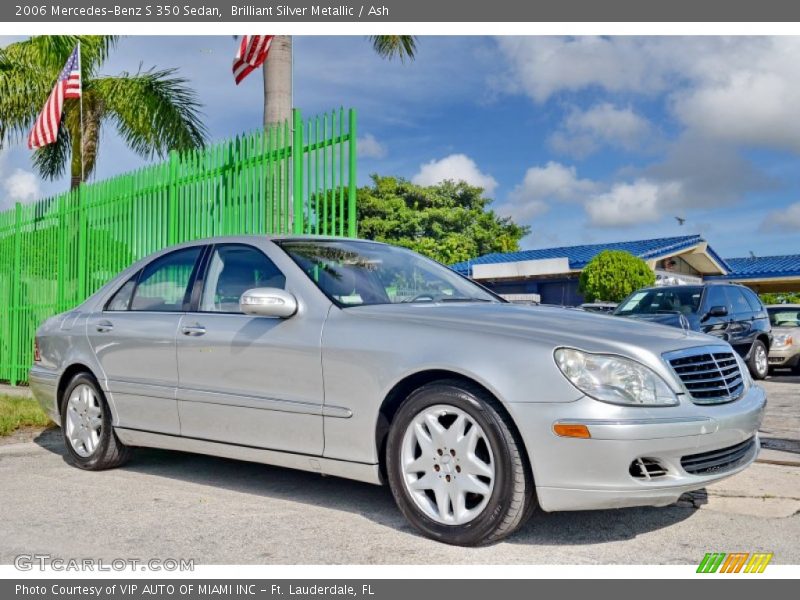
84, 420
762, 363
447, 464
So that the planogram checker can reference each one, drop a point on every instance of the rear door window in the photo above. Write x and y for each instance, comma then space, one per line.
164, 283
740, 304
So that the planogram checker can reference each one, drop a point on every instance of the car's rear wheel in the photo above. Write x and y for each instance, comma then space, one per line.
86, 426
455, 468
758, 363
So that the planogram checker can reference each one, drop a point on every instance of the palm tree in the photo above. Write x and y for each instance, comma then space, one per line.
154, 111
278, 70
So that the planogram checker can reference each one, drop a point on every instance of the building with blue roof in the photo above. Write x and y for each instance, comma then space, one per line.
551, 274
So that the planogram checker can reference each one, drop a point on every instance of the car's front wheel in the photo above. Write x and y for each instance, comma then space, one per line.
86, 426
455, 468
758, 363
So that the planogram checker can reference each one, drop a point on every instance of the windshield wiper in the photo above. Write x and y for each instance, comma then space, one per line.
448, 299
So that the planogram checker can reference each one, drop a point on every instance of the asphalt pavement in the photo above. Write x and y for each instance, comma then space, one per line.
174, 505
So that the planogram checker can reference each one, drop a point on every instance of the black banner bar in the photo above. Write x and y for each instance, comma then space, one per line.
730, 588
462, 11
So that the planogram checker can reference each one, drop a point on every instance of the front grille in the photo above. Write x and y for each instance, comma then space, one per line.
776, 360
709, 376
717, 461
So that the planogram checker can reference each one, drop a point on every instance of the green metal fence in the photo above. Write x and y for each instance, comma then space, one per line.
299, 177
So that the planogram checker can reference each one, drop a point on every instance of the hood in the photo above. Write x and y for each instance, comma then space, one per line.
671, 319
555, 325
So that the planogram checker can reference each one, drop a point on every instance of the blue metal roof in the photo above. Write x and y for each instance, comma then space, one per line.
579, 256
762, 267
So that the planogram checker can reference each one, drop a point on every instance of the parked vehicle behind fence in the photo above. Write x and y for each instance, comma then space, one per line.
785, 350
730, 312
366, 361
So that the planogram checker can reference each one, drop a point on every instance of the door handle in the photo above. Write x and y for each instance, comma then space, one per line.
193, 330
104, 326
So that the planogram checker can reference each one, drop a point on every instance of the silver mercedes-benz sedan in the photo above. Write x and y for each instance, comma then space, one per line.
367, 361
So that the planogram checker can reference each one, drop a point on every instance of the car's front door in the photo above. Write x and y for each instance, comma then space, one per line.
250, 380
133, 336
716, 325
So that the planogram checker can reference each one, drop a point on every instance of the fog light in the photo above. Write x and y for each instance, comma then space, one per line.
571, 430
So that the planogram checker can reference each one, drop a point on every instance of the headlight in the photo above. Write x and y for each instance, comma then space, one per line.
614, 379
782, 339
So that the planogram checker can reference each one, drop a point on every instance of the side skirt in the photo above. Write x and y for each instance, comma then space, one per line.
368, 473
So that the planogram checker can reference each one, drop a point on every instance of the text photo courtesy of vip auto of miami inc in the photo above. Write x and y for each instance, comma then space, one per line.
399, 300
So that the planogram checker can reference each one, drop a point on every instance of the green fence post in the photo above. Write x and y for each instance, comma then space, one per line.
83, 245
298, 212
352, 224
172, 200
16, 320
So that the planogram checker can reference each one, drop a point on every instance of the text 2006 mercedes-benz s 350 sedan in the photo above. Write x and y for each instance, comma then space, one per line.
366, 361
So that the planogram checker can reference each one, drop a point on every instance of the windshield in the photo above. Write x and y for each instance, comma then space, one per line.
784, 317
684, 300
353, 273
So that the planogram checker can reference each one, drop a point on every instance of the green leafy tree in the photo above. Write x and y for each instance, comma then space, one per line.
614, 274
448, 222
154, 111
781, 298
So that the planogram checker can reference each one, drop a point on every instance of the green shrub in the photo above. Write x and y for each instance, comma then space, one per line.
612, 275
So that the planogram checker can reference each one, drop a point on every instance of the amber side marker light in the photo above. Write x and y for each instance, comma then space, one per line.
571, 430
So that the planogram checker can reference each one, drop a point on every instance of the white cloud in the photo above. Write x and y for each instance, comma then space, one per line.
370, 147
456, 167
787, 219
739, 90
584, 132
22, 186
542, 66
542, 184
750, 98
628, 204
16, 185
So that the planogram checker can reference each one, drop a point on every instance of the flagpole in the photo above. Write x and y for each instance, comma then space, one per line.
80, 71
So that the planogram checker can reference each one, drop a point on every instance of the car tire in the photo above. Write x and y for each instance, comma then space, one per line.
758, 363
479, 508
86, 427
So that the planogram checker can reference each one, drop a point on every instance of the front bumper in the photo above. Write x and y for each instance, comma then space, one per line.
583, 474
785, 357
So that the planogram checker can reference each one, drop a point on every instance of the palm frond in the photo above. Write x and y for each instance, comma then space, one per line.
50, 161
388, 46
154, 111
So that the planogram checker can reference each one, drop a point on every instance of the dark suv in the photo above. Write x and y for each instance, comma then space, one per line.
725, 310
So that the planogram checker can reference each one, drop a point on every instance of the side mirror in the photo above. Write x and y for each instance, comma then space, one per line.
268, 302
716, 311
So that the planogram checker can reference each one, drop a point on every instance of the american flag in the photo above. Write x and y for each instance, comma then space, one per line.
252, 53
68, 85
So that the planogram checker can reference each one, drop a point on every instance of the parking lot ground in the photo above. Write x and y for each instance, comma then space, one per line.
215, 511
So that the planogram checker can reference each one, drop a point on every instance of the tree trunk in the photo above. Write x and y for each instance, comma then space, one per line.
278, 81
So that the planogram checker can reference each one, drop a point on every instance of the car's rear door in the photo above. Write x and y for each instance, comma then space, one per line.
250, 380
133, 336
742, 333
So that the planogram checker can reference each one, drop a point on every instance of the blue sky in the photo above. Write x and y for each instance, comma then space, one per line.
585, 139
